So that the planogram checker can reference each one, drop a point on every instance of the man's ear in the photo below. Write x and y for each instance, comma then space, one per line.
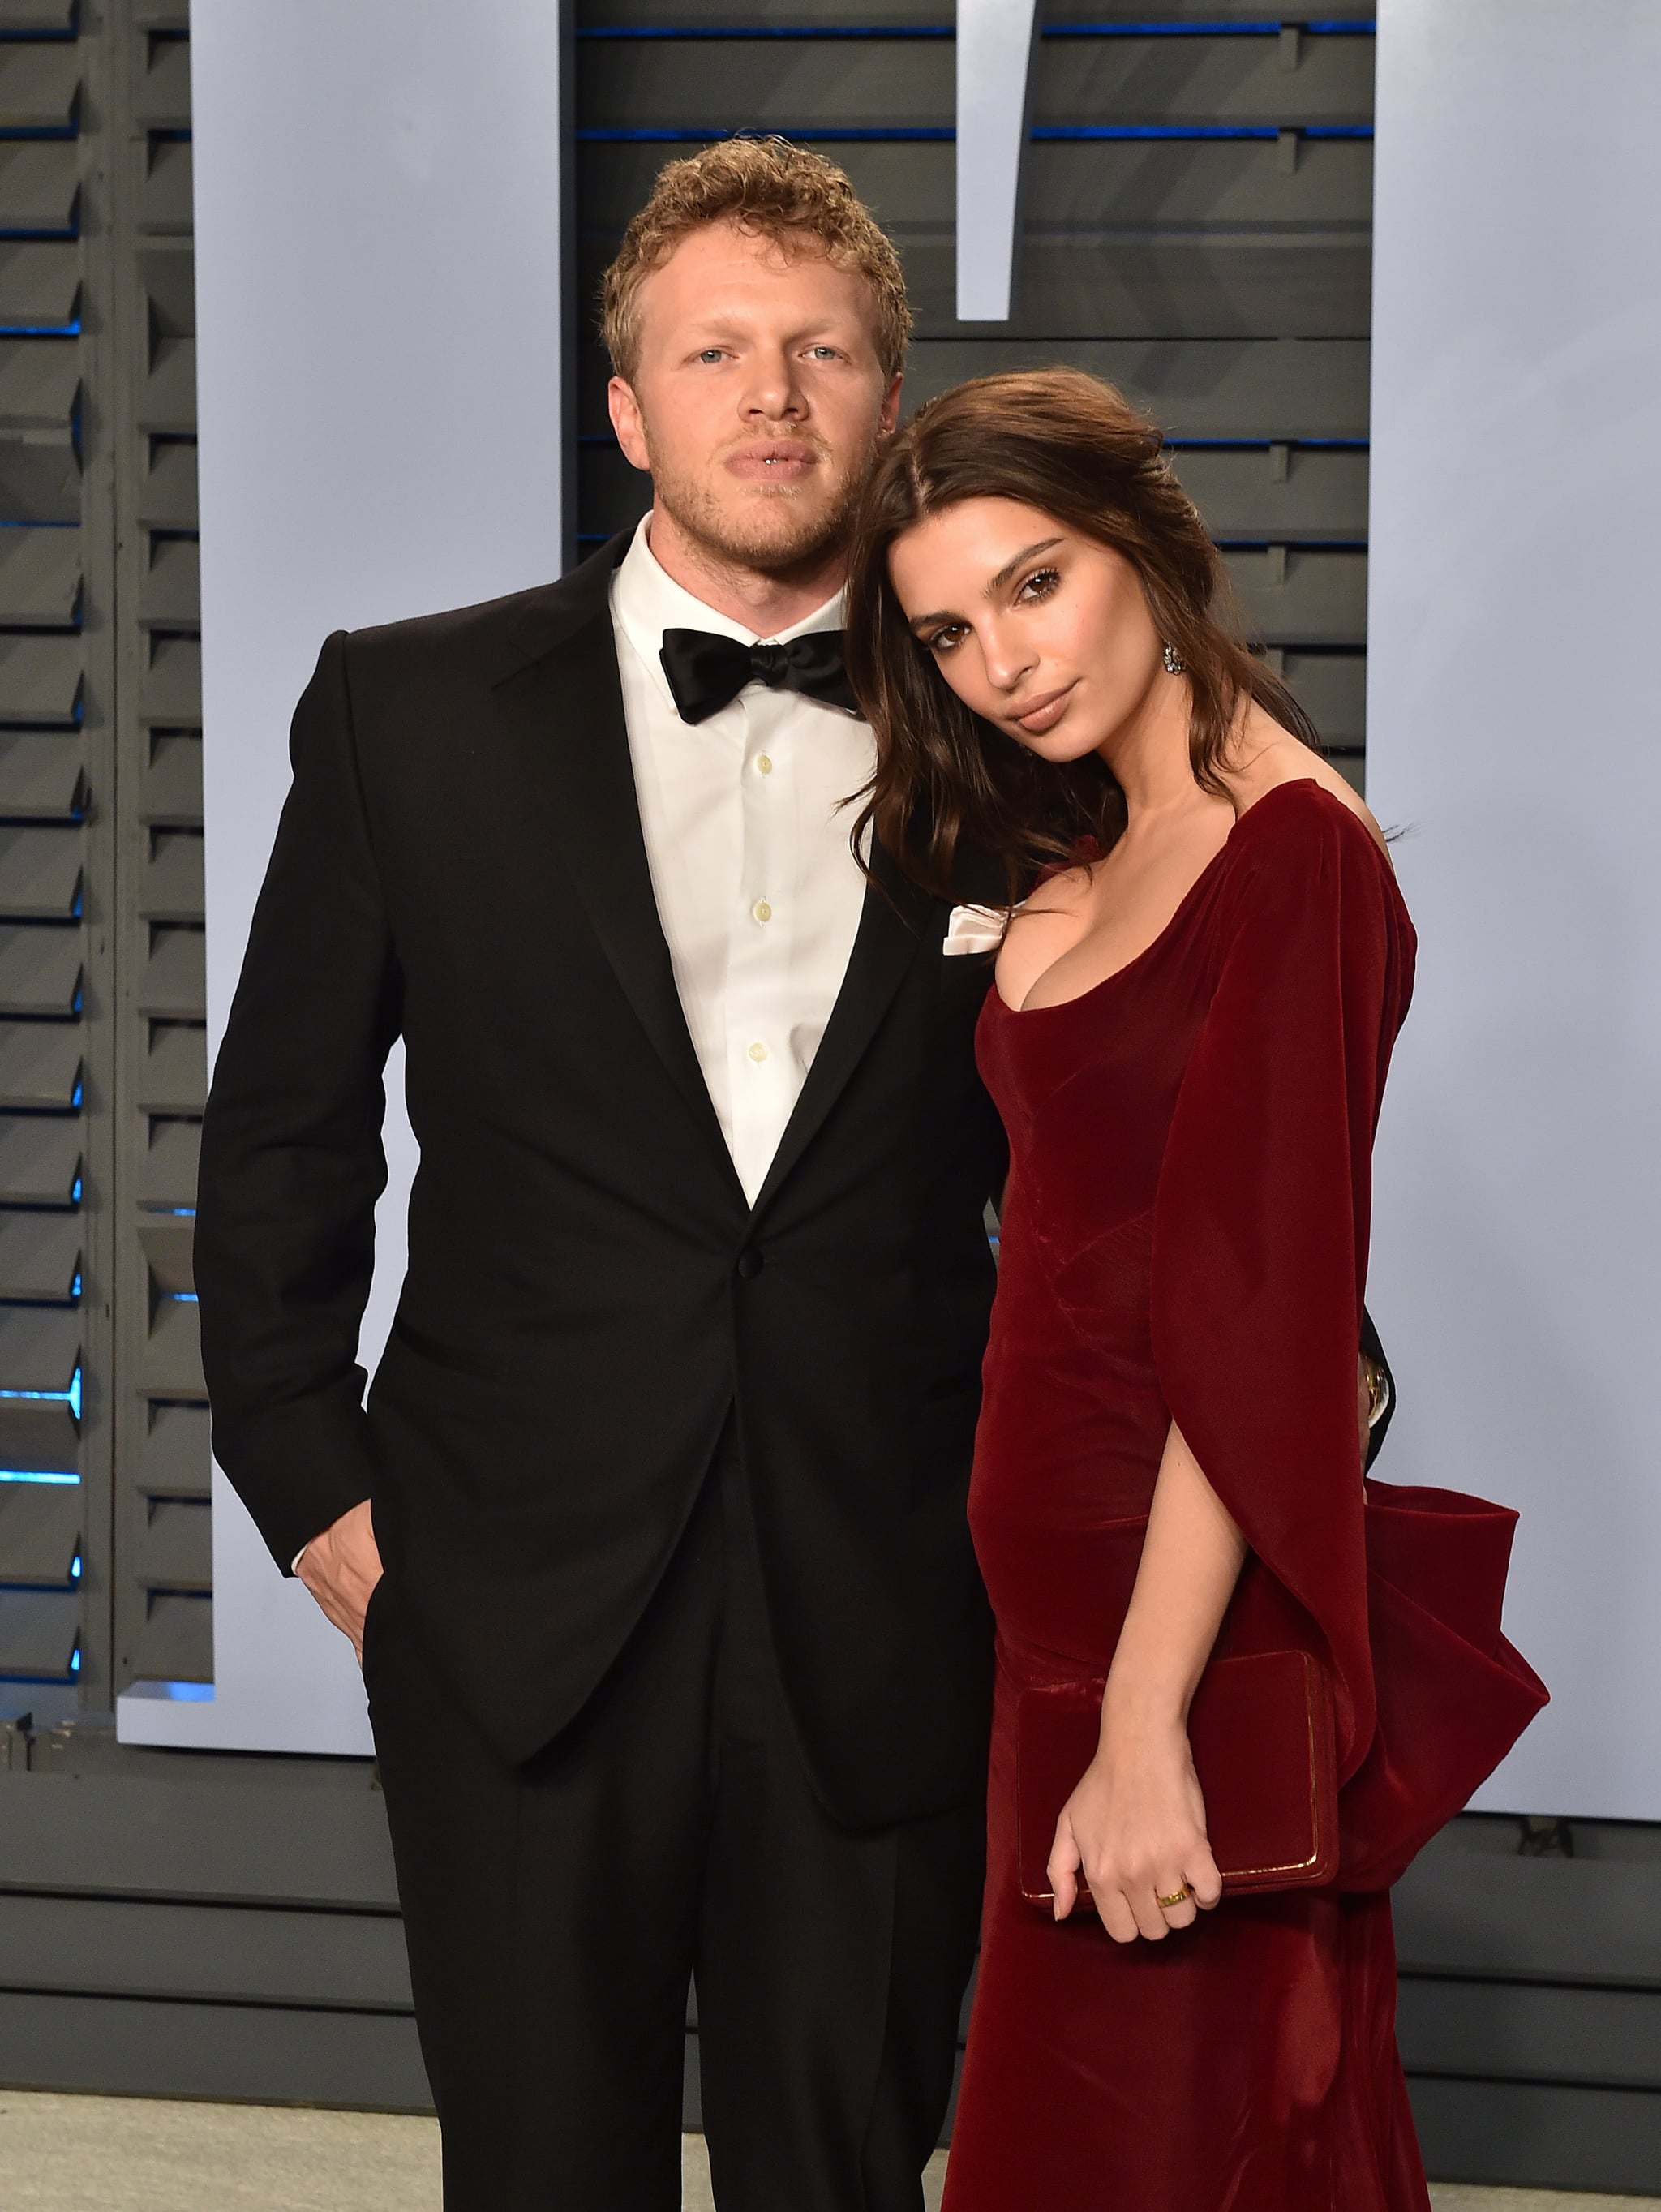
890, 415
628, 421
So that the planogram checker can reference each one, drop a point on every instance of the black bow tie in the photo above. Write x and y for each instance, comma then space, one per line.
706, 672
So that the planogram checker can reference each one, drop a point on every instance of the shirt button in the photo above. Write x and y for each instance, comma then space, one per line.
750, 1265
758, 1052
763, 765
762, 910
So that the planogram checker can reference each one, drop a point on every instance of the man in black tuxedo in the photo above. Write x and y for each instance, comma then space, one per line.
679, 1663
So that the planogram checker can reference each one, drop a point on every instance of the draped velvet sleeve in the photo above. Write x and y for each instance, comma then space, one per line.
1263, 1211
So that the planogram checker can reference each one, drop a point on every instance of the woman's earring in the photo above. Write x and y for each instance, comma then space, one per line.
1175, 662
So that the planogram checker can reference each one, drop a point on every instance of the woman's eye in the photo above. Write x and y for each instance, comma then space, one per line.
942, 640
1038, 585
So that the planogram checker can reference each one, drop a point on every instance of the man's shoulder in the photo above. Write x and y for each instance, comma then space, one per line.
490, 638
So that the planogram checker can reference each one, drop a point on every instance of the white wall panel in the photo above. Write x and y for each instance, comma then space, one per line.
1513, 735
379, 365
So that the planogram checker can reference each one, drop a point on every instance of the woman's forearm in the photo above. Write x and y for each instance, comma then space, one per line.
1191, 1561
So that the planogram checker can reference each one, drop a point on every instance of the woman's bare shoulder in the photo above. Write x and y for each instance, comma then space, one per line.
1270, 756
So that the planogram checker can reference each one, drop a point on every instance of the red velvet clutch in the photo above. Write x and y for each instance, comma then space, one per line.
1261, 1729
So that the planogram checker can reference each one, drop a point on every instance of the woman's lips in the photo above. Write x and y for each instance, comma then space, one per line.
1044, 713
782, 462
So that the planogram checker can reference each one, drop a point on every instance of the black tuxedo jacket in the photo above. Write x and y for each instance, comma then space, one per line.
589, 1296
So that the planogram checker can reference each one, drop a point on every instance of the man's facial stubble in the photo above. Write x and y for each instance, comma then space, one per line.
795, 528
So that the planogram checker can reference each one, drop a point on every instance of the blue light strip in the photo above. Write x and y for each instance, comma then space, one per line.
944, 134
71, 1397
41, 330
1259, 543
1339, 28
778, 33
31, 1475
1052, 132
1293, 439
1359, 27
813, 136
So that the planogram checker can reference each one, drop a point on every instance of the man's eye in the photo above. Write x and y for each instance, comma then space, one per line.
823, 352
711, 352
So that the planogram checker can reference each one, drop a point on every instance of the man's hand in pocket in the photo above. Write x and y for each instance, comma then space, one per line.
341, 1568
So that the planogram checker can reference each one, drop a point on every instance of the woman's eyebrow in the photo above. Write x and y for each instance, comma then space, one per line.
1010, 567
943, 615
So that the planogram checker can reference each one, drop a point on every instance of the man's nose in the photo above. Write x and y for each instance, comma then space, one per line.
773, 391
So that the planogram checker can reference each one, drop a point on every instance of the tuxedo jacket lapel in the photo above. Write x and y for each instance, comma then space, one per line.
897, 922
564, 706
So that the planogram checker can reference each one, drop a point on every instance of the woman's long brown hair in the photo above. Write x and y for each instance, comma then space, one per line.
1072, 447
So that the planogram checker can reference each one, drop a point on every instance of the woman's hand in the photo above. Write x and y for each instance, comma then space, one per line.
1134, 1828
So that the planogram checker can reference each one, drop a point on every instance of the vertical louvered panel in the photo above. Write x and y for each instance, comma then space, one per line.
102, 1576
58, 939
163, 1612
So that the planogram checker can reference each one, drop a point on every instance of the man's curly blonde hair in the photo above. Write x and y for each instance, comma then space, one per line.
770, 189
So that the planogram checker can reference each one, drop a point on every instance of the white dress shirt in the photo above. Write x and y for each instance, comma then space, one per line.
757, 891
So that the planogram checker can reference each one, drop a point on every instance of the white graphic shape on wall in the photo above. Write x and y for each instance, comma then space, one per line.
996, 42
1511, 738
380, 352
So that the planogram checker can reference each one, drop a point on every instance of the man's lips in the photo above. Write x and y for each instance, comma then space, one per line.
1045, 712
782, 460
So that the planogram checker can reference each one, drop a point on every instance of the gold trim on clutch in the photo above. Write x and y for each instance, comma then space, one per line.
1245, 1873
1295, 1865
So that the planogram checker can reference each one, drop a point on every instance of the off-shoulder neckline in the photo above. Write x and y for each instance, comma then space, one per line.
1294, 783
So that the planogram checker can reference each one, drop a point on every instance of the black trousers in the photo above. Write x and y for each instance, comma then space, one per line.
555, 1912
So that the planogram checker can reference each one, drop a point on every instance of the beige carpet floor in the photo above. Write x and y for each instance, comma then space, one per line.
132, 2154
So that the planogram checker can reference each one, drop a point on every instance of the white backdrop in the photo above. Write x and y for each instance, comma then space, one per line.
1512, 732
379, 358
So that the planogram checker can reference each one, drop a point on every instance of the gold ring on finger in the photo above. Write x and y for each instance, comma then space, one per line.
1176, 1897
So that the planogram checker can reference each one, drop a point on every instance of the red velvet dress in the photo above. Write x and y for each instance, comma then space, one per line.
1184, 1237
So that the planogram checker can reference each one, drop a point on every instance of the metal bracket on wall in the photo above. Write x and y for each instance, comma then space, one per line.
1545, 1838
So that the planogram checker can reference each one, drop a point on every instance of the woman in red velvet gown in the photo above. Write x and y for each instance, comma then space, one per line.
1187, 1033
